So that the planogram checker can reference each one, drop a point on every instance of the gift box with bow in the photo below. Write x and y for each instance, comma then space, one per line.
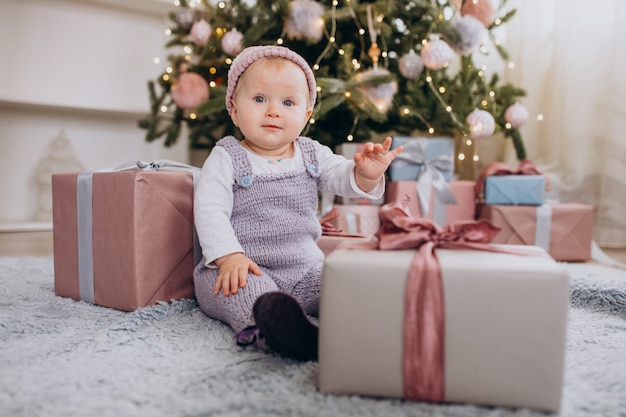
565, 230
434, 209
500, 184
433, 156
357, 225
440, 315
124, 237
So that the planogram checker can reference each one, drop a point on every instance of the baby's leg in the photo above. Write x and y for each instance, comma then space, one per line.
236, 309
307, 291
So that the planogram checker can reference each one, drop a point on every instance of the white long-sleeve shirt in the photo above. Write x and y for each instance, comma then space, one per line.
213, 197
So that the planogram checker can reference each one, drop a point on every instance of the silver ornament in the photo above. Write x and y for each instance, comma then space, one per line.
471, 33
481, 124
380, 95
410, 65
184, 18
304, 21
436, 54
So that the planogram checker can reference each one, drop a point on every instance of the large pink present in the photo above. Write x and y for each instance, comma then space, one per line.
463, 191
444, 324
565, 230
134, 247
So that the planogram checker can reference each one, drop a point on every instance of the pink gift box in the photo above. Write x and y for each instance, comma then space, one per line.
142, 237
364, 218
565, 230
463, 191
505, 321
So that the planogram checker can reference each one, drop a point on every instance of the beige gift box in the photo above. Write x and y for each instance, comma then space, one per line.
505, 325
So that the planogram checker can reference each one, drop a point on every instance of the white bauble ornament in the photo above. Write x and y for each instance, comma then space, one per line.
200, 32
481, 124
471, 31
184, 18
305, 20
410, 65
516, 115
436, 54
231, 42
380, 95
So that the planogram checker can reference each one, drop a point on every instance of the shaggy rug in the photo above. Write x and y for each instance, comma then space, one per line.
60, 357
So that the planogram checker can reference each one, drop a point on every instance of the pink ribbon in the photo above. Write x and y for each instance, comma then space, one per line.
423, 355
525, 167
329, 229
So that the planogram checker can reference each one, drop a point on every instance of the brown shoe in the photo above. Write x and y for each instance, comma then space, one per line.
285, 326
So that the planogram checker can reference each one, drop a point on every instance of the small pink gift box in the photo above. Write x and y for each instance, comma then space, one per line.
356, 218
463, 191
565, 230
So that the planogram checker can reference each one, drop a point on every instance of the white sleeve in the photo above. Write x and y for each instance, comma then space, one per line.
213, 205
337, 176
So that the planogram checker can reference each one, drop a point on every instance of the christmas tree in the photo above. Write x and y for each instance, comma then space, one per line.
390, 66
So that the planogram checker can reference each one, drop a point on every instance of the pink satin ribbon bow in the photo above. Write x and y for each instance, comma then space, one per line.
423, 355
329, 229
525, 167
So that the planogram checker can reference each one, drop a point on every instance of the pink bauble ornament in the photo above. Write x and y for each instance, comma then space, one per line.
305, 20
231, 42
481, 124
190, 90
471, 33
436, 54
410, 65
516, 115
481, 9
380, 95
200, 32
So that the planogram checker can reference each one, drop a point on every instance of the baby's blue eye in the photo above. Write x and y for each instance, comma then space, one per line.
288, 103
259, 99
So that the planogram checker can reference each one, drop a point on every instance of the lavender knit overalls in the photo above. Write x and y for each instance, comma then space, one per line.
274, 219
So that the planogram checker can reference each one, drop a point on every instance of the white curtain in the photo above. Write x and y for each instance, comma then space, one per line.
570, 56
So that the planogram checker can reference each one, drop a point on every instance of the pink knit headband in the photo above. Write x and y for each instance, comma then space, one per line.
253, 54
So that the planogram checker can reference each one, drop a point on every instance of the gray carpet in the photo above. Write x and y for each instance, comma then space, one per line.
60, 357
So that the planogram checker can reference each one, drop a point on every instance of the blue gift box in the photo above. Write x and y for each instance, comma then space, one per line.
408, 165
527, 190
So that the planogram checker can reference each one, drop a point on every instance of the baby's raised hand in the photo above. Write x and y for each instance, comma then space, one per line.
372, 162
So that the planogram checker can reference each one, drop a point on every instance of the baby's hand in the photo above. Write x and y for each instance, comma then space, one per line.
233, 272
372, 163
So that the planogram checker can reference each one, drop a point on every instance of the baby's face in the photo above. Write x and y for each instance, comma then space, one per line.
270, 105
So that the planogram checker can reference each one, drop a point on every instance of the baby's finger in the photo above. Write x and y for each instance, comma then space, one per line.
387, 143
219, 283
234, 280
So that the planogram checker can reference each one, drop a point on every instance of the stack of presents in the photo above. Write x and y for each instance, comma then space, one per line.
481, 323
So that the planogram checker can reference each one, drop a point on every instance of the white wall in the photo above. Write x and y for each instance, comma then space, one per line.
80, 67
